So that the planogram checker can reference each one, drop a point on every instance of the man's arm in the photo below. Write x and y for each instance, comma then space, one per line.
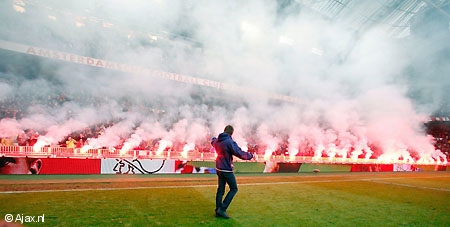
238, 152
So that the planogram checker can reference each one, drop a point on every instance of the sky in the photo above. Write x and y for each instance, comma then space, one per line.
353, 92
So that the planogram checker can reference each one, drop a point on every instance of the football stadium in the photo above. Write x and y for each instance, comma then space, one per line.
133, 113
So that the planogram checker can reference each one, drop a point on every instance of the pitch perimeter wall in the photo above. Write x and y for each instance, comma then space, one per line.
161, 166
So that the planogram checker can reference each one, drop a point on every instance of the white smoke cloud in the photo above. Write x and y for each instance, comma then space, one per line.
353, 89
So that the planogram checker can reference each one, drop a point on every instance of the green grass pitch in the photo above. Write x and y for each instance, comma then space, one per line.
307, 199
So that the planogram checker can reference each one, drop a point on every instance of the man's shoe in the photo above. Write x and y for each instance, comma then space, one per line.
222, 213
215, 213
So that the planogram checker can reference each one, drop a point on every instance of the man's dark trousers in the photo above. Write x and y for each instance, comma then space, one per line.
223, 179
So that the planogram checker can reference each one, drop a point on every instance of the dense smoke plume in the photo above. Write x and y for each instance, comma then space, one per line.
356, 93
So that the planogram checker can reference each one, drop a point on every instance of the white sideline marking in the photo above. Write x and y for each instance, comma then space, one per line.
160, 187
376, 180
410, 186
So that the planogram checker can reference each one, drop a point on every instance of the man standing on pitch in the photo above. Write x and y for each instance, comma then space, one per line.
226, 147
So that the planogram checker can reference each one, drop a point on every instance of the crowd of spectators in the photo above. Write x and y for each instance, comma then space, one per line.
440, 131
16, 107
80, 138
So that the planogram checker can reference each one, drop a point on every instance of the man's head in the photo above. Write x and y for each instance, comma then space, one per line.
229, 129
20, 165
